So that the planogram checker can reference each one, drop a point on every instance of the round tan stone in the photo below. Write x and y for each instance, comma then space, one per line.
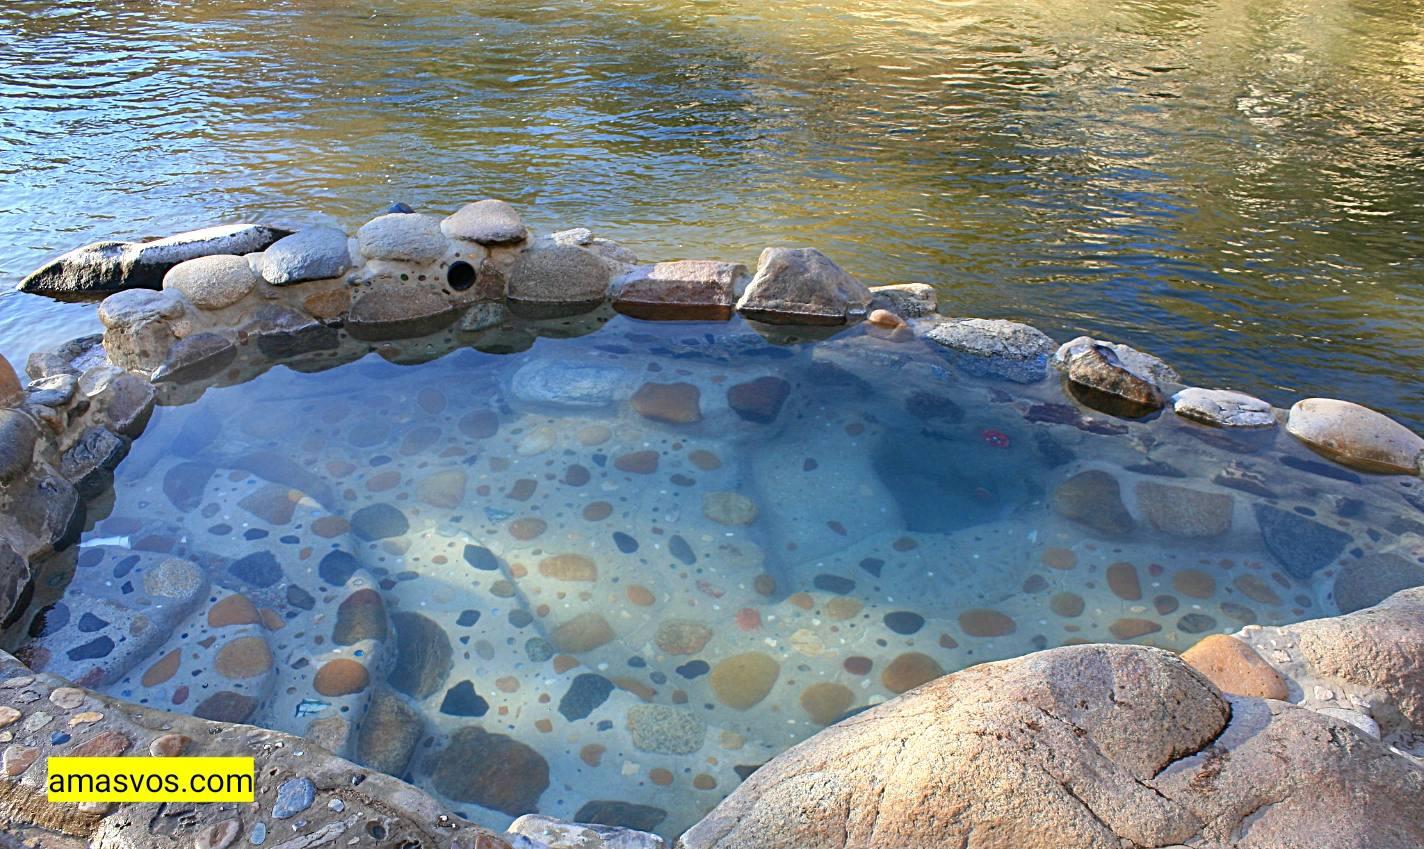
682, 636
1356, 436
743, 680
1067, 605
1194, 583
527, 528
825, 702
1235, 667
584, 632
569, 567
341, 677
909, 671
983, 622
637, 462
244, 657
1124, 581
329, 527
671, 403
594, 435
597, 511
1130, 628
1059, 558
842, 608
729, 508
705, 460
640, 595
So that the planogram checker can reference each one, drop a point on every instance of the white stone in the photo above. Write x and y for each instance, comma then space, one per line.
1223, 408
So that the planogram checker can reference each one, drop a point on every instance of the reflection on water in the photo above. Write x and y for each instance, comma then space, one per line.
607, 577
1234, 186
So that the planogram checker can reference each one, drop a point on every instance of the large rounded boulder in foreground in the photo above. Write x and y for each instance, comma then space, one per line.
1356, 436
1085, 747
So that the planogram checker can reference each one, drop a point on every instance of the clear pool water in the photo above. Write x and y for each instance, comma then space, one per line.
605, 577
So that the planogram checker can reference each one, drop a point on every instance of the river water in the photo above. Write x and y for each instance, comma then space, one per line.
1235, 186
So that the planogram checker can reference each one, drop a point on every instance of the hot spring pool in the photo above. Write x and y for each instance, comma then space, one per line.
605, 577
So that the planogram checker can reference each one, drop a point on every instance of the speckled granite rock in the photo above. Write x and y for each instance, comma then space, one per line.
802, 286
346, 802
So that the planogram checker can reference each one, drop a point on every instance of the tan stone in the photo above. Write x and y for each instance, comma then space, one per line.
1356, 436
729, 508
1235, 667
741, 681
569, 567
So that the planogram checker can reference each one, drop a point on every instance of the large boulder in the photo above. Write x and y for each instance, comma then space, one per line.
317, 253
398, 311
1356, 436
802, 286
687, 290
487, 222
403, 237
17, 584
995, 348
557, 281
10, 387
139, 326
114, 266
18, 434
1090, 747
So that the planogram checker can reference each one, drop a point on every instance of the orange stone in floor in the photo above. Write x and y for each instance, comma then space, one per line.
1235, 667
672, 403
1256, 589
592, 754
659, 776
703, 781
909, 671
244, 657
329, 527
1130, 628
341, 677
598, 511
639, 595
584, 632
1059, 558
826, 701
705, 460
1067, 605
1123, 581
1194, 583
163, 669
637, 462
236, 609
983, 622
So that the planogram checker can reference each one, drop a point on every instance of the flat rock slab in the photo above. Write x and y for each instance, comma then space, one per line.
114, 266
1223, 408
688, 290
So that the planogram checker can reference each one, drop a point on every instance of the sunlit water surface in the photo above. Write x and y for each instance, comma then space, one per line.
607, 577
1235, 186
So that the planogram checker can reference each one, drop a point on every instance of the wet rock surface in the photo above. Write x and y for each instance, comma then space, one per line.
802, 286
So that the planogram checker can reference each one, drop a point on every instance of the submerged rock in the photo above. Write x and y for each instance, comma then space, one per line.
1303, 546
388, 733
1357, 436
995, 348
1094, 498
688, 290
1183, 511
115, 266
491, 770
802, 286
1223, 408
1372, 579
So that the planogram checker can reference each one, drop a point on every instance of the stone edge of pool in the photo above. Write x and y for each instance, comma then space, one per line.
185, 310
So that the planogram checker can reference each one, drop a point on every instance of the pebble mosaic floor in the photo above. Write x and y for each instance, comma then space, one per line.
608, 577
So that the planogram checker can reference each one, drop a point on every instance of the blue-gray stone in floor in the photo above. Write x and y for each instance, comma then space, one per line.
587, 692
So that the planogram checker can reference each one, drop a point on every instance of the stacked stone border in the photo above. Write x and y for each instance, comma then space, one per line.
221, 305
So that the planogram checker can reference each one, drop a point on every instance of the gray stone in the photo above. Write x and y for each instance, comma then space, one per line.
140, 326
317, 253
18, 434
487, 222
483, 317
688, 290
1357, 436
212, 282
492, 770
995, 348
115, 266
1223, 408
130, 404
73, 357
664, 729
557, 281
1372, 579
282, 332
398, 311
54, 392
568, 383
907, 300
1183, 511
1303, 546
802, 286
293, 796
406, 237
196, 357
557, 834
90, 462
17, 584
423, 655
